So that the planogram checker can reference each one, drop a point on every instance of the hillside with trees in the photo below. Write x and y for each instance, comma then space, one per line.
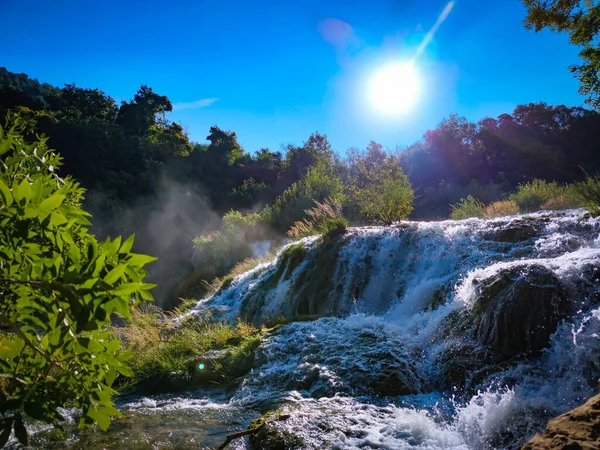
143, 175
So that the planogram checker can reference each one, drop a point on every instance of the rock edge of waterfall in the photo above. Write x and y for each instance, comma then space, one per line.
578, 429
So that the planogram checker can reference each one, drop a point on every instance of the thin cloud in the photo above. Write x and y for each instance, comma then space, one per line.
203, 103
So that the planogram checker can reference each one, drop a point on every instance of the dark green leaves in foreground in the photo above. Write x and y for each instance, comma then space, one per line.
59, 288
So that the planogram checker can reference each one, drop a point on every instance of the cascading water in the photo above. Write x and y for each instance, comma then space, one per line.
439, 335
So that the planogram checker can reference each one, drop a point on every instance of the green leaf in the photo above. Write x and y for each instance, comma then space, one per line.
4, 147
127, 289
126, 247
52, 202
57, 219
20, 431
74, 254
22, 193
139, 260
5, 194
100, 416
115, 274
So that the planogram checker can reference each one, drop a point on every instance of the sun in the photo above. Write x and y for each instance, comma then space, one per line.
394, 88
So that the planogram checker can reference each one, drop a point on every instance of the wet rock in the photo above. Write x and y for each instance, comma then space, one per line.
578, 429
515, 232
272, 435
519, 309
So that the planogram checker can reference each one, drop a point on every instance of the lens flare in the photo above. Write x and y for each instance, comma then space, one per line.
201, 366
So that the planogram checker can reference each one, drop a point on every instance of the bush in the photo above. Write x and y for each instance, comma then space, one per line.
501, 209
467, 208
560, 202
588, 192
60, 289
379, 187
334, 226
532, 195
317, 215
318, 185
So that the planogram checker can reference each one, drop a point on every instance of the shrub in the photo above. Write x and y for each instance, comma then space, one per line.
501, 209
559, 203
334, 226
60, 289
317, 215
588, 192
319, 184
467, 208
532, 195
379, 188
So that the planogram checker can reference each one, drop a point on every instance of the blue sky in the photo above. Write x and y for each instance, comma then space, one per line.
275, 71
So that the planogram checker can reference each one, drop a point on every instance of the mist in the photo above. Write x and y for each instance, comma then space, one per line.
164, 226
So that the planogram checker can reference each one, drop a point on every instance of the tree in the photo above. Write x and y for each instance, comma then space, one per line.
381, 190
146, 109
581, 20
59, 289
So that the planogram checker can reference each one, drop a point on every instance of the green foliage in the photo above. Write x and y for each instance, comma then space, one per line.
379, 187
319, 184
162, 348
333, 226
316, 217
59, 289
532, 195
581, 20
467, 208
589, 193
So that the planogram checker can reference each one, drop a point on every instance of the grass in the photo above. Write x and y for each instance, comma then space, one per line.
220, 284
334, 226
162, 347
588, 192
467, 208
531, 196
323, 217
500, 209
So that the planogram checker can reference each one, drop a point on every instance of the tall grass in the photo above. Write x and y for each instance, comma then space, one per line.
319, 219
467, 208
530, 196
501, 209
589, 194
162, 346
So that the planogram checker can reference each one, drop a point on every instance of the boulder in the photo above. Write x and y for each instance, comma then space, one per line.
514, 232
519, 309
578, 429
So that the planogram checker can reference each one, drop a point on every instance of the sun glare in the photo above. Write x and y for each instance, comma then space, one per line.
394, 88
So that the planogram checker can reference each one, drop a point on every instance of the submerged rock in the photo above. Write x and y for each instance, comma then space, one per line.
519, 309
578, 429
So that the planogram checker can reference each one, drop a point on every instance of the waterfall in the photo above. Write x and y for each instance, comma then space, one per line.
456, 334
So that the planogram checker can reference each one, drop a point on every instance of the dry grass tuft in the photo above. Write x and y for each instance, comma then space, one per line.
501, 209
329, 209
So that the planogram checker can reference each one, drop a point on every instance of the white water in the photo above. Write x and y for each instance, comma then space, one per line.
323, 372
317, 366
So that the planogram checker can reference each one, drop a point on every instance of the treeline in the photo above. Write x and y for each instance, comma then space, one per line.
144, 175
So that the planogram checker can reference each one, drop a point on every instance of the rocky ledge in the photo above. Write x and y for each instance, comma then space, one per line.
578, 429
